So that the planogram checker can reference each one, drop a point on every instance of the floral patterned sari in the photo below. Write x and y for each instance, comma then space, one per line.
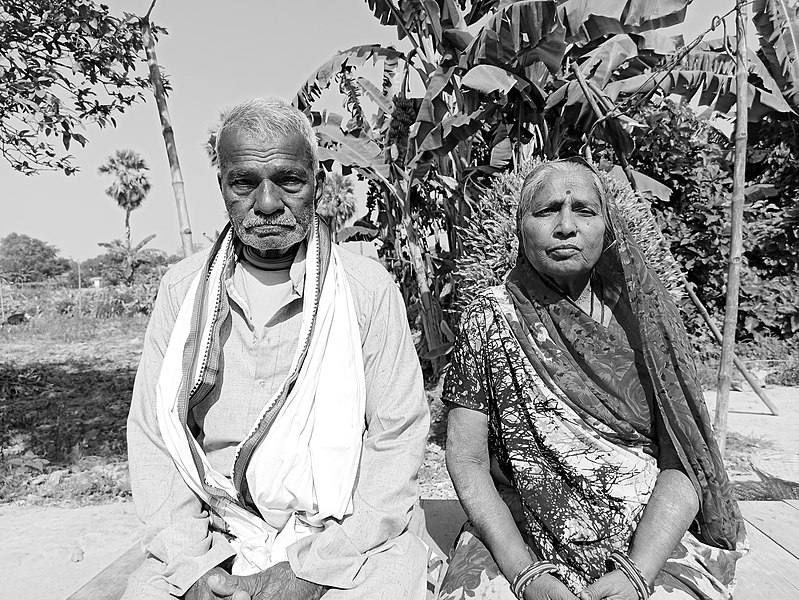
578, 413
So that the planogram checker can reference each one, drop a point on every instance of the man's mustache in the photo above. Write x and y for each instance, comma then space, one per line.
251, 223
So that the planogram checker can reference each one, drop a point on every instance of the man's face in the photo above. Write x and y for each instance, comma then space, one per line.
270, 187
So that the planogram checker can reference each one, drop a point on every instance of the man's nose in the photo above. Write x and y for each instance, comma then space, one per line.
267, 198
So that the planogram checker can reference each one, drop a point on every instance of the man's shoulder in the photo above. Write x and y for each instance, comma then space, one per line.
182, 273
365, 273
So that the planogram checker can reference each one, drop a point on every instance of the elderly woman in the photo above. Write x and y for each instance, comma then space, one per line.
578, 438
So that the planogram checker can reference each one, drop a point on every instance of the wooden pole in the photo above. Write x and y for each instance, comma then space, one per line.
737, 361
169, 135
736, 229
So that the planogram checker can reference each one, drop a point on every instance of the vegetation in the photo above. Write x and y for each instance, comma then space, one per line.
24, 258
63, 65
338, 200
129, 188
488, 84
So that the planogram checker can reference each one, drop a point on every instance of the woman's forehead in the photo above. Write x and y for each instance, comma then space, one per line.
559, 184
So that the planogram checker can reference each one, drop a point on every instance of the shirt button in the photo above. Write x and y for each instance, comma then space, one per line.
262, 383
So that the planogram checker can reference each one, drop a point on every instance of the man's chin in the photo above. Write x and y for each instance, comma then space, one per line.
272, 244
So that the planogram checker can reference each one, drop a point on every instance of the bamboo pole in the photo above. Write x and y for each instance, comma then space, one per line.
169, 135
587, 88
736, 231
737, 361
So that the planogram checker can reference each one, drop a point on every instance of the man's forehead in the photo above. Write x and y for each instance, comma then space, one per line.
238, 140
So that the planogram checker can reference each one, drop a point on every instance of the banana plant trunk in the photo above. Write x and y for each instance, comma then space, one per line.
736, 230
429, 307
169, 138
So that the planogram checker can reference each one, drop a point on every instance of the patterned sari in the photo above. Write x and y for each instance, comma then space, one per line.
577, 414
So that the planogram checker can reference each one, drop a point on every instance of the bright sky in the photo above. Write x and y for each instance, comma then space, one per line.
216, 54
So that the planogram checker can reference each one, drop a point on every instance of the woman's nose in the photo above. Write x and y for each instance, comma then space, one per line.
566, 223
267, 198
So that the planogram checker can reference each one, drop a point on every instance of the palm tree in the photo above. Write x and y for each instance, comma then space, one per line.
337, 203
130, 186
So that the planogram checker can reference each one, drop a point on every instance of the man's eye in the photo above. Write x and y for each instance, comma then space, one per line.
292, 183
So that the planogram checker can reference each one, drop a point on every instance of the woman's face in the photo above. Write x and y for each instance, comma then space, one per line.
564, 229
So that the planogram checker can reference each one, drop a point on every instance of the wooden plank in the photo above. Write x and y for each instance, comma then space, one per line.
110, 584
768, 572
444, 519
777, 519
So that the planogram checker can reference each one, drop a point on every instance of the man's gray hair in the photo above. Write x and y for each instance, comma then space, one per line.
271, 118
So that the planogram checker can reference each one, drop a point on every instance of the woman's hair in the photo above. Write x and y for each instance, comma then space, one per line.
270, 118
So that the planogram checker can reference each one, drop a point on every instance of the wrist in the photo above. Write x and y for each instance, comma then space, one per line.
623, 563
528, 575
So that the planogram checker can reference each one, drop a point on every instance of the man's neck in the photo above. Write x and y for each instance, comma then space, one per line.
272, 260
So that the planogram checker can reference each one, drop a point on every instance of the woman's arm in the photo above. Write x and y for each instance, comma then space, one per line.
668, 514
469, 466
671, 509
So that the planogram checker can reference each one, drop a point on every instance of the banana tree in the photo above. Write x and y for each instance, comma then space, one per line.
486, 69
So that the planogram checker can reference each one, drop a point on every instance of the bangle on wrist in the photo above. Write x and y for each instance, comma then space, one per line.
528, 574
631, 571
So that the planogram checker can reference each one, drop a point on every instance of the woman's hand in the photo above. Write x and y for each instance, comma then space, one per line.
546, 587
613, 586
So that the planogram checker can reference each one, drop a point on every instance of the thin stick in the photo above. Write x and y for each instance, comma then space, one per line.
738, 362
736, 231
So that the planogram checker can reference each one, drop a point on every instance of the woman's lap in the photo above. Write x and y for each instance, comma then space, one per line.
472, 573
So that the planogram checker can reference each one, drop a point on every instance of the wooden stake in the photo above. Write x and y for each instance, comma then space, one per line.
169, 135
736, 227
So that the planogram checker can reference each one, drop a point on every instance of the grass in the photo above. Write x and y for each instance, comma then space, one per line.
65, 386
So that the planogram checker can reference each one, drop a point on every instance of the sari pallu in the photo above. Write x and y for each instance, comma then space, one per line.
577, 414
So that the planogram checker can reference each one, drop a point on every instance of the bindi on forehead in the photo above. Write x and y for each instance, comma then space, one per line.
575, 186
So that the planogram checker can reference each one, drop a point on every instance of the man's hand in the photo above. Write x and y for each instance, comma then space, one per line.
201, 590
613, 586
275, 583
546, 587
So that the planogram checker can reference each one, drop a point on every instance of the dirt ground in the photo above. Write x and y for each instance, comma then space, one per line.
64, 393
51, 552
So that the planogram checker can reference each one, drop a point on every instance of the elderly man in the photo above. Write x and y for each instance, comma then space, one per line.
278, 418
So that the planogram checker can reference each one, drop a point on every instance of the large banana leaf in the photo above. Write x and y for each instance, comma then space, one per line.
777, 23
520, 34
588, 20
352, 58
707, 74
441, 17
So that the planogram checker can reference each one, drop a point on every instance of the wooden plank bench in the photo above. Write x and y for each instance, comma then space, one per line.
769, 572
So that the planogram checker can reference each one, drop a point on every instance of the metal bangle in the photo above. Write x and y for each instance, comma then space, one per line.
527, 575
631, 571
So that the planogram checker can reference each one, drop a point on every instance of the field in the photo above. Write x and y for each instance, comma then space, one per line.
65, 386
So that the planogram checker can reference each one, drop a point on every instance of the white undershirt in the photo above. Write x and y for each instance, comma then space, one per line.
265, 291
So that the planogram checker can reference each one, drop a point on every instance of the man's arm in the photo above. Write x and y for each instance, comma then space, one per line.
179, 546
386, 489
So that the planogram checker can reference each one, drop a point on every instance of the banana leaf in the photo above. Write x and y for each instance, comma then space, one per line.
777, 23
351, 58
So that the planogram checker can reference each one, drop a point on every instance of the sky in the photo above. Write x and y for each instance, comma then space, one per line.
216, 55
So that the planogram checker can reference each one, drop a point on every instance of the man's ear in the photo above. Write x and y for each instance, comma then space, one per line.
219, 179
321, 177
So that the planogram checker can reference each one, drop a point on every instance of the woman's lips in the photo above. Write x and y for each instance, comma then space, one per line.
563, 251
